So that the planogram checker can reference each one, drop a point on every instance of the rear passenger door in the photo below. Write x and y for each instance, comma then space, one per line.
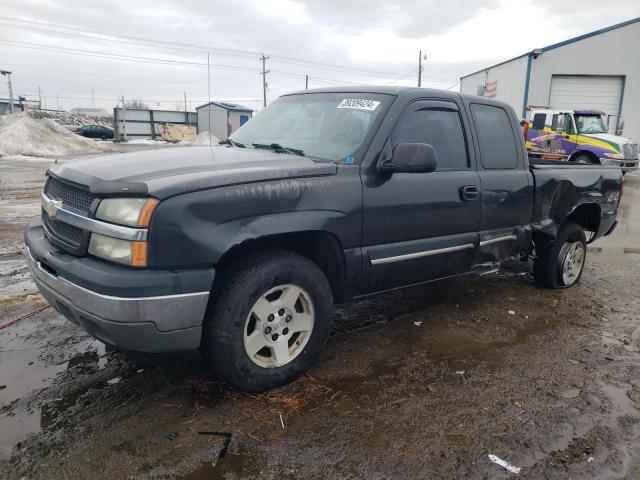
422, 226
507, 184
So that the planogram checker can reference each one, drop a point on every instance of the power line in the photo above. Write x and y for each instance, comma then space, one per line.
131, 40
356, 71
105, 36
401, 78
122, 77
157, 61
142, 99
118, 56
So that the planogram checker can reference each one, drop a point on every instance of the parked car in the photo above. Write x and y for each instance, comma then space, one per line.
73, 128
97, 131
329, 195
579, 136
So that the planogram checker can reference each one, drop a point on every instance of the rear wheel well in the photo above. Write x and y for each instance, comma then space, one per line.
322, 248
587, 216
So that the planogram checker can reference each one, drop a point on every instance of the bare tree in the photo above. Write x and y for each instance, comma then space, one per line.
137, 104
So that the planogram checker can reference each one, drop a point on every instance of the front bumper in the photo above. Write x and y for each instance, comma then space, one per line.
625, 165
140, 310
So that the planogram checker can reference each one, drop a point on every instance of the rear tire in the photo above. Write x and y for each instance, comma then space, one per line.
269, 322
560, 262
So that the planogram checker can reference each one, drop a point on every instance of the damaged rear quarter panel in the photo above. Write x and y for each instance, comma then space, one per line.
199, 227
561, 189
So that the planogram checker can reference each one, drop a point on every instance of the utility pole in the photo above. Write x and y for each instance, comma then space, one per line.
93, 100
420, 68
186, 112
8, 75
264, 79
124, 120
39, 99
306, 82
58, 101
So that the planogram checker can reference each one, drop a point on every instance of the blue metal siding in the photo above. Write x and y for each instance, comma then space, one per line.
526, 86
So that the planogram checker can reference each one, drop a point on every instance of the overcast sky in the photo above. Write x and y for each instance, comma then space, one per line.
343, 41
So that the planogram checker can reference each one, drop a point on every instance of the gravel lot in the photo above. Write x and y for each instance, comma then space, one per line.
420, 383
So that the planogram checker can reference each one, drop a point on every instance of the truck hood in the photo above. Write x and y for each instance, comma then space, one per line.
608, 138
172, 171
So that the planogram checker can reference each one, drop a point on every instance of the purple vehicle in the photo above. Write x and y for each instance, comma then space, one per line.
579, 136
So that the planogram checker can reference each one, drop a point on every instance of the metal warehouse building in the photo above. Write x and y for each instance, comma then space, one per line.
599, 70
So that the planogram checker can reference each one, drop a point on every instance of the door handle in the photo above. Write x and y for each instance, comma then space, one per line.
469, 193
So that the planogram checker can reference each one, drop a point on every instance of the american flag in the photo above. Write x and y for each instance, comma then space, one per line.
490, 89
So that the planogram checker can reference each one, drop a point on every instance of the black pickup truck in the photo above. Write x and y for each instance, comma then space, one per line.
242, 249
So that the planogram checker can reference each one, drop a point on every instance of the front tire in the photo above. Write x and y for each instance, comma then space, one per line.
560, 262
585, 160
269, 322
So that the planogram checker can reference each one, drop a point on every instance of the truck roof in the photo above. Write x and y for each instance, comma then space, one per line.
397, 91
576, 111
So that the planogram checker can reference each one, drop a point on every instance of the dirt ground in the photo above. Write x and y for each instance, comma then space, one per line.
421, 383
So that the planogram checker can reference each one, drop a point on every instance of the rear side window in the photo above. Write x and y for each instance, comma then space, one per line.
538, 121
497, 143
441, 129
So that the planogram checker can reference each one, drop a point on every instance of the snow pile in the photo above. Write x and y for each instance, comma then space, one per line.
203, 138
22, 135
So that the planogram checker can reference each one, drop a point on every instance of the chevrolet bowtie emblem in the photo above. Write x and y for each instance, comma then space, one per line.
51, 206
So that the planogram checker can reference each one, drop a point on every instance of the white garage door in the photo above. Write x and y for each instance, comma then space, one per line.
586, 91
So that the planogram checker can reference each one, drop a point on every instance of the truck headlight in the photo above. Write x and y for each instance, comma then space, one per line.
120, 251
132, 212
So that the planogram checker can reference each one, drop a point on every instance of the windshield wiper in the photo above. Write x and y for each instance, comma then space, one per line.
228, 141
278, 147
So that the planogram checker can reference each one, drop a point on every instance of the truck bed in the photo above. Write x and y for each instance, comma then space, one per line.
561, 188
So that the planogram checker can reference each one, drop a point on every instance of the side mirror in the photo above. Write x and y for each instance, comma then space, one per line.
412, 158
619, 126
560, 124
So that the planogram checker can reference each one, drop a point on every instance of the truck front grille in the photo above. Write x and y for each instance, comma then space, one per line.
74, 197
67, 234
630, 151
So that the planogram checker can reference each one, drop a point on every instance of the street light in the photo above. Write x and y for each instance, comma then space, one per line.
420, 68
8, 75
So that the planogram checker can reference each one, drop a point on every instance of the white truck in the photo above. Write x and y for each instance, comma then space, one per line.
580, 136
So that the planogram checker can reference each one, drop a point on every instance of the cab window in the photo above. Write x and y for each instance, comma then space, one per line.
497, 142
568, 124
539, 120
439, 127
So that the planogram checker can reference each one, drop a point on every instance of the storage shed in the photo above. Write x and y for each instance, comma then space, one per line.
222, 118
597, 71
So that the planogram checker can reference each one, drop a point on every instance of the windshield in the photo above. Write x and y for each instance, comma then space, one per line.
590, 124
327, 126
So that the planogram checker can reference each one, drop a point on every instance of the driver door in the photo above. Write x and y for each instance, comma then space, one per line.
423, 226
569, 137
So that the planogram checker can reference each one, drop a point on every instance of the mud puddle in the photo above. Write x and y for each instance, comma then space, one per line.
26, 369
